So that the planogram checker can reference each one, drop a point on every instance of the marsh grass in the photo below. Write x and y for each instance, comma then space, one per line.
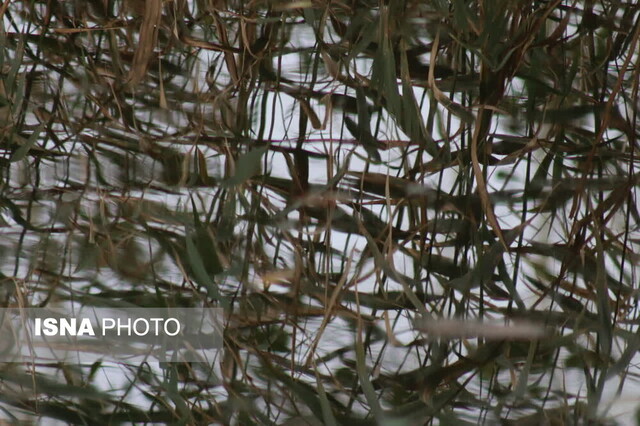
335, 175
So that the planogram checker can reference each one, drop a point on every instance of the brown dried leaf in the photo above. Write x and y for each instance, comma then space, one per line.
147, 42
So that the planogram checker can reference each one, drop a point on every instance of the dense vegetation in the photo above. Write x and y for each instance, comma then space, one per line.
338, 176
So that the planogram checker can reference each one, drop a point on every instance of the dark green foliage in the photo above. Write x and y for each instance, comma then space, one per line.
331, 174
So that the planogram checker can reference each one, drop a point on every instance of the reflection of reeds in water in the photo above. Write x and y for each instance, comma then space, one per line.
328, 172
